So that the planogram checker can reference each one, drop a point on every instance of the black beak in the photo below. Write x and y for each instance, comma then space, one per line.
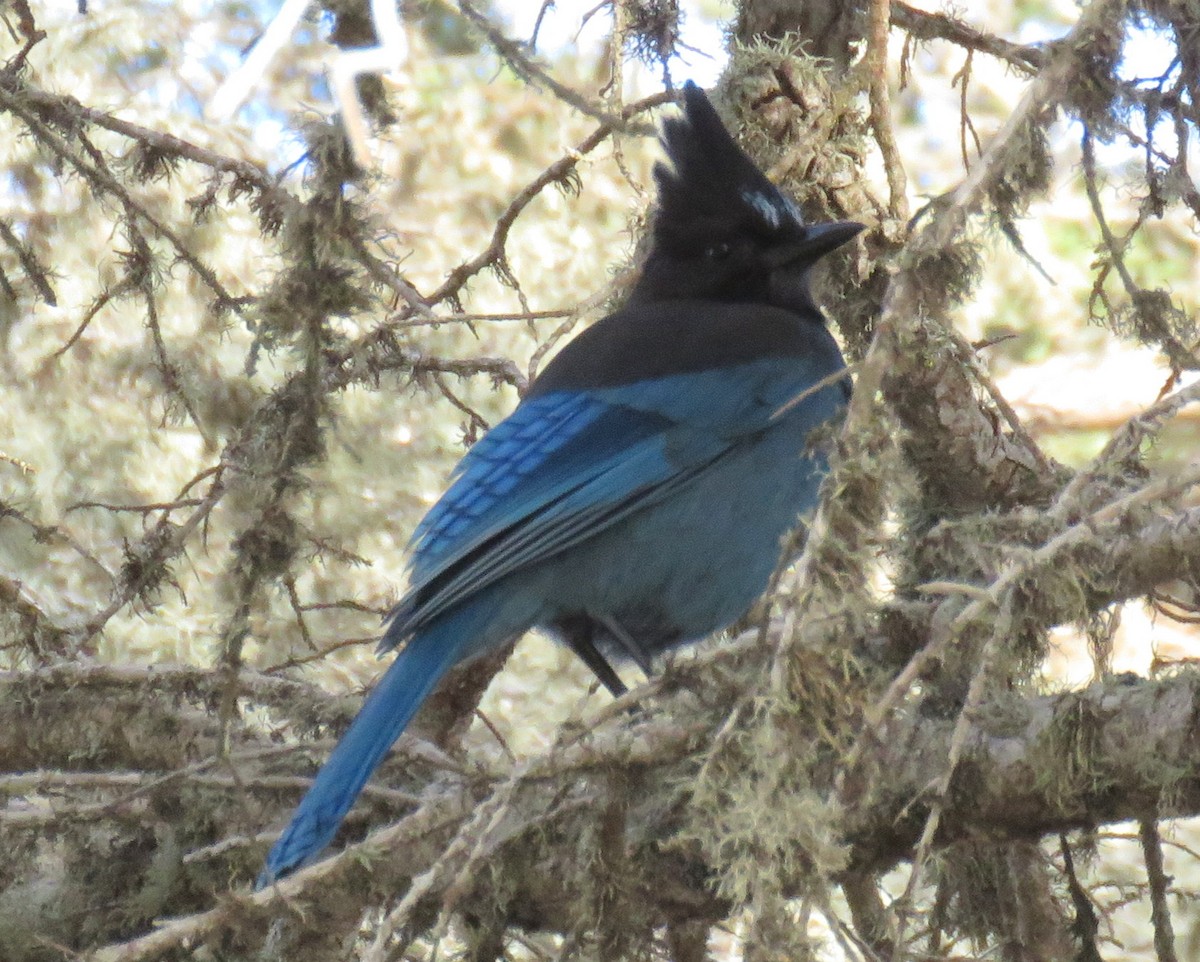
818, 240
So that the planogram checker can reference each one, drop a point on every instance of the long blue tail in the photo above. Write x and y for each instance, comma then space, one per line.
384, 715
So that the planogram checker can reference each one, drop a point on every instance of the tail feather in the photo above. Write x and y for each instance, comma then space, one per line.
384, 715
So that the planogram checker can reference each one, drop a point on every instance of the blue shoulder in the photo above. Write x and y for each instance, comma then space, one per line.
649, 342
533, 456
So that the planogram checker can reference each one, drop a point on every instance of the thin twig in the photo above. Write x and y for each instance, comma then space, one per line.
1160, 912
512, 52
558, 172
938, 26
879, 14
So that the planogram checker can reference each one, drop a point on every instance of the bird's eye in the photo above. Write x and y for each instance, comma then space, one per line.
718, 252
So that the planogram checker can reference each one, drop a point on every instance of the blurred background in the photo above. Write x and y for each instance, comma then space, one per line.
141, 326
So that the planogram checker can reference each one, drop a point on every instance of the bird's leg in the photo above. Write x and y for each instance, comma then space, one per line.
627, 643
579, 635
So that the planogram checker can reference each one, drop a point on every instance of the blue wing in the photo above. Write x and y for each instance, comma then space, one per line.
568, 464
507, 470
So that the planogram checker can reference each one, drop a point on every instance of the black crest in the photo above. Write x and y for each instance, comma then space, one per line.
710, 176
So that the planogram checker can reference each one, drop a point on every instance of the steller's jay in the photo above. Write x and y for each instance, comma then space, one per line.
637, 497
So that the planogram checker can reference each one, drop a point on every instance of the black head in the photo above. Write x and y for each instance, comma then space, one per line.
722, 231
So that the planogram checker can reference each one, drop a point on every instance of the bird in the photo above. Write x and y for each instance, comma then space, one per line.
638, 496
